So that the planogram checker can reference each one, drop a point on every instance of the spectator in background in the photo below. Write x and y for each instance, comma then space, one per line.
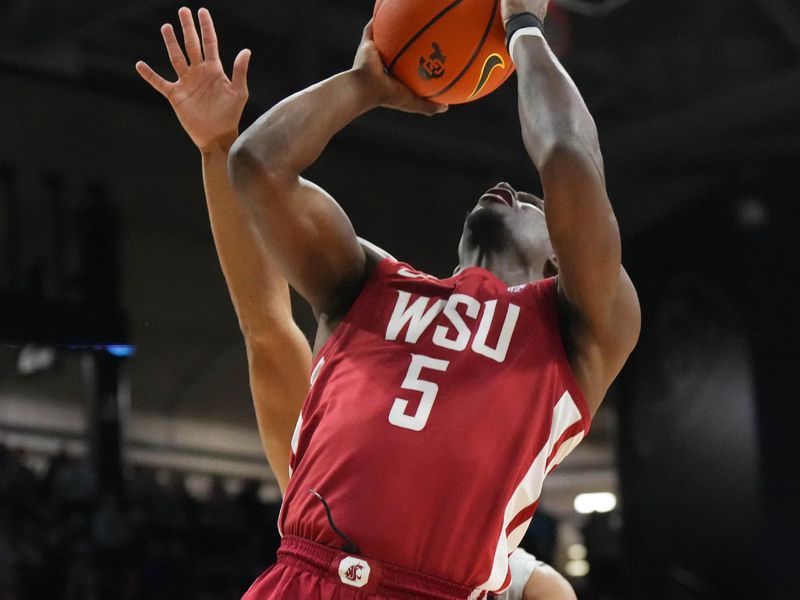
81, 574
74, 485
601, 534
8, 560
111, 537
79, 549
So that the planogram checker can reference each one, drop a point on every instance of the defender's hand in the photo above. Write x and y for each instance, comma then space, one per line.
509, 8
207, 103
388, 91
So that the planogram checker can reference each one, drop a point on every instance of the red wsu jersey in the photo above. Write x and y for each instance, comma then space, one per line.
437, 407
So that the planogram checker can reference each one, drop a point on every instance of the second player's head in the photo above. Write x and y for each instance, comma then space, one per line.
506, 233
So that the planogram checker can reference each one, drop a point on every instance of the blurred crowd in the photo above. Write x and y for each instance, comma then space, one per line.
63, 538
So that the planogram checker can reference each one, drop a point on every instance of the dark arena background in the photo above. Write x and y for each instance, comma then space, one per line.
130, 463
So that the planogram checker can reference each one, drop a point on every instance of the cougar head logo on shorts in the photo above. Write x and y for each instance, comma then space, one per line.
432, 67
354, 571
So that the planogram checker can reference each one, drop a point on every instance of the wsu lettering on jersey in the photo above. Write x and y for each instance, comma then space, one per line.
461, 318
417, 317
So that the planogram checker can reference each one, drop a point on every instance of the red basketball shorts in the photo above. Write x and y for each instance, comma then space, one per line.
308, 571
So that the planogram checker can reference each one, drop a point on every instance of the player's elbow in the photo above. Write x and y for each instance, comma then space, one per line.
245, 160
242, 162
574, 152
253, 171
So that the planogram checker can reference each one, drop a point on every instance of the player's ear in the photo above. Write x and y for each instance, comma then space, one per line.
550, 267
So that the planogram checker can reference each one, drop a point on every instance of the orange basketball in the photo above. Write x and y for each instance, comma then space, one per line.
447, 51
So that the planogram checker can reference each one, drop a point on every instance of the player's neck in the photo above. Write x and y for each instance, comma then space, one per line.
506, 266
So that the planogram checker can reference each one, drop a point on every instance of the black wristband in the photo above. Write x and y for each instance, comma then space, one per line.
521, 21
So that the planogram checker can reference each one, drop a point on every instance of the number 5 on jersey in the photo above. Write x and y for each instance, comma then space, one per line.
417, 421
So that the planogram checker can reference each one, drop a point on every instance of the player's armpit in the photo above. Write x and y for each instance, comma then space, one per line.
597, 356
279, 366
597, 297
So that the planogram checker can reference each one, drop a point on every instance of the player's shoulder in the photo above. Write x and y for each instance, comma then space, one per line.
540, 288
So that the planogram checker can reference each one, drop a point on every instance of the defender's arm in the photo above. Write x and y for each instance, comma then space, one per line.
209, 107
545, 583
278, 354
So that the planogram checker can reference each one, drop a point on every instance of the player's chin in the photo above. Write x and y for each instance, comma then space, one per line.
485, 227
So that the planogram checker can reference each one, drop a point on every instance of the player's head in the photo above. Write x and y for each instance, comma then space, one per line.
506, 232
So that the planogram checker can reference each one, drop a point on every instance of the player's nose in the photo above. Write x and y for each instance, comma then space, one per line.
508, 186
504, 185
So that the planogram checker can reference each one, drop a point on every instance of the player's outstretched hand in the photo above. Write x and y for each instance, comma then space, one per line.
508, 8
207, 103
390, 91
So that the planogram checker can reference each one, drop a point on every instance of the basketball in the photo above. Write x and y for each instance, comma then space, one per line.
446, 51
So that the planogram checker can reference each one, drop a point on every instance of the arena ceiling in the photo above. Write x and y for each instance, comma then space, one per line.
683, 88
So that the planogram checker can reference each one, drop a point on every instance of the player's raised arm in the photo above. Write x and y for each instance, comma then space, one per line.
209, 107
303, 227
561, 139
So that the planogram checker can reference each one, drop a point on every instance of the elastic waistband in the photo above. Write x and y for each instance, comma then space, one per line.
368, 575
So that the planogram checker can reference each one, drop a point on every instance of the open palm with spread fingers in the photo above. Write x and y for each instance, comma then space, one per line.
207, 103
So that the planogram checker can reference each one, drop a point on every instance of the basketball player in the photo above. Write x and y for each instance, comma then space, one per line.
438, 406
209, 106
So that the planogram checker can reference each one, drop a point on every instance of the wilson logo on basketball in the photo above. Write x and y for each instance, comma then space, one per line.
354, 573
432, 66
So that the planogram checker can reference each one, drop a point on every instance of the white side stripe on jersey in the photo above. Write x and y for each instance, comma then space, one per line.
565, 415
299, 425
296, 436
563, 451
295, 443
515, 537
317, 369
